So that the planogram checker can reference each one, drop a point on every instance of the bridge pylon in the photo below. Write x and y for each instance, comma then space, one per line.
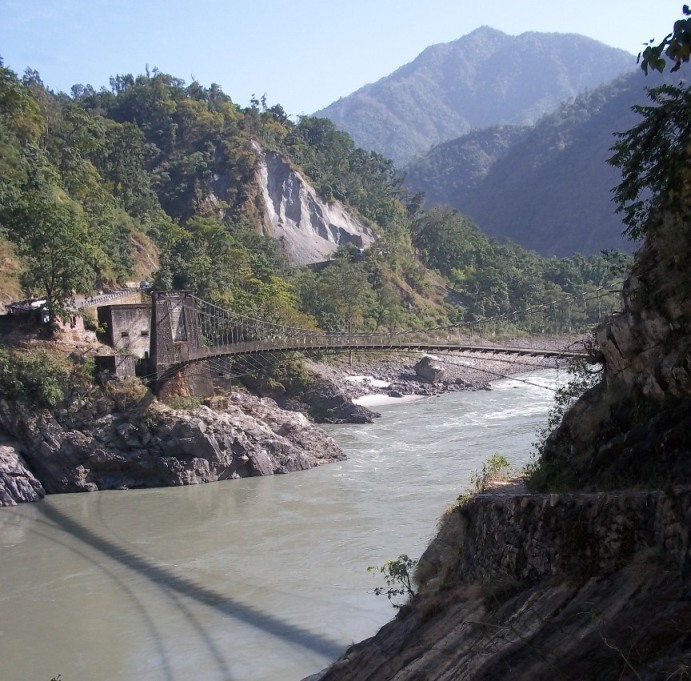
175, 336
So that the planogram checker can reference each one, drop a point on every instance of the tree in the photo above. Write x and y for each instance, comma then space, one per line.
344, 285
59, 256
399, 578
654, 155
446, 240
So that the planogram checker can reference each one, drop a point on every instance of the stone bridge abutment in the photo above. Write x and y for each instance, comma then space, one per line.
175, 336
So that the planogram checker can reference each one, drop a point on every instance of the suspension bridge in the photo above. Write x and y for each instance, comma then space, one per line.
186, 330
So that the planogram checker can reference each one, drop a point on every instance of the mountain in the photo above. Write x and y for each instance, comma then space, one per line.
547, 188
177, 184
451, 171
485, 78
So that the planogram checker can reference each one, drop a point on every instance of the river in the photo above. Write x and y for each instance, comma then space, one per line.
261, 579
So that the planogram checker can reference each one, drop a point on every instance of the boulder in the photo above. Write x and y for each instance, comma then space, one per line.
427, 370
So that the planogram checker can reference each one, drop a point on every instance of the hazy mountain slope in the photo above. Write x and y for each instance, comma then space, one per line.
449, 172
482, 79
551, 190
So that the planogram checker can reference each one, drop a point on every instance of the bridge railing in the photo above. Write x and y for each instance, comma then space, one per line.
226, 332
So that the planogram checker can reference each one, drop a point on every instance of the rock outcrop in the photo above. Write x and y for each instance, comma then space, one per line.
308, 228
103, 446
321, 398
582, 586
17, 483
634, 427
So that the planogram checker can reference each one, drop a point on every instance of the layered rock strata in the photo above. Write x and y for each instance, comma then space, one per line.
17, 482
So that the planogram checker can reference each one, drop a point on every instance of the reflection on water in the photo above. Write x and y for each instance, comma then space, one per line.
260, 579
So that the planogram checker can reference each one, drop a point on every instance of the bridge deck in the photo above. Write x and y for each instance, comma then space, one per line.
254, 347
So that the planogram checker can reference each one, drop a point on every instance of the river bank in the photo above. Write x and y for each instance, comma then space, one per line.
395, 376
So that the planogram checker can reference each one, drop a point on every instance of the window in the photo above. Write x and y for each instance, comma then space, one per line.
124, 334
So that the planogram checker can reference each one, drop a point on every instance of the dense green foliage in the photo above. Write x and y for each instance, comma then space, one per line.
38, 378
654, 154
493, 278
92, 179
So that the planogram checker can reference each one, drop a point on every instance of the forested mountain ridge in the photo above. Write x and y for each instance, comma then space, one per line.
96, 183
547, 187
482, 79
450, 172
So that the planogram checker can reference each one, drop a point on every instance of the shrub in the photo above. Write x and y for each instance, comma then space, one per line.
36, 378
183, 403
398, 576
497, 467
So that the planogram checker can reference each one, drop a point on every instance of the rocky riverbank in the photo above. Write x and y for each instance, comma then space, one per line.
395, 375
543, 586
127, 439
117, 443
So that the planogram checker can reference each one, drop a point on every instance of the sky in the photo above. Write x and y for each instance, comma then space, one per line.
302, 54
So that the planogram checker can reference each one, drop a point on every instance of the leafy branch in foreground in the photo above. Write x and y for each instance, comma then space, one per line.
676, 45
653, 156
398, 576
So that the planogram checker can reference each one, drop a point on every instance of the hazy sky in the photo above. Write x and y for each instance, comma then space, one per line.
302, 54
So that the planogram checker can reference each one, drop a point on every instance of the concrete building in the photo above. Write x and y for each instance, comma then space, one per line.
127, 328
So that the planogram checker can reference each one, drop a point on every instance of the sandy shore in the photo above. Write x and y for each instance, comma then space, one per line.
374, 400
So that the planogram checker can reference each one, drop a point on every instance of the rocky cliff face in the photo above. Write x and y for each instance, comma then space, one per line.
634, 427
580, 586
104, 445
308, 228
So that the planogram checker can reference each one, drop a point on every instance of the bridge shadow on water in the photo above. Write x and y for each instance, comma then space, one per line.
181, 587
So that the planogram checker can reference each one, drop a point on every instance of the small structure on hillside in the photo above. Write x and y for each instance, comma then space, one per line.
27, 306
34, 311
127, 328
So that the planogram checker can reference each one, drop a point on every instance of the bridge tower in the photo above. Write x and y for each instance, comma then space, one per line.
174, 334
